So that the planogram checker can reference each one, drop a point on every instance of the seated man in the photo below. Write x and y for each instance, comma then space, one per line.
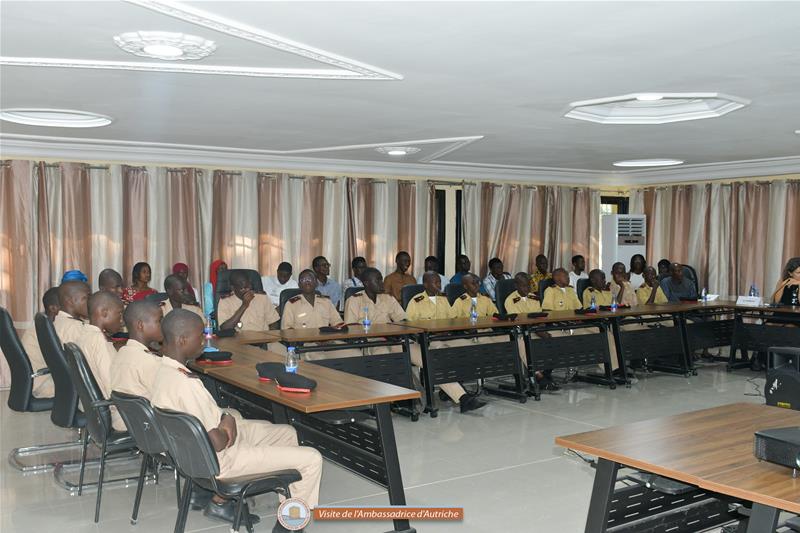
598, 289
43, 386
373, 302
430, 305
462, 307
522, 302
394, 282
178, 296
676, 287
244, 309
274, 285
496, 273
325, 284
540, 273
432, 265
620, 286
244, 447
462, 267
651, 292
663, 268
357, 265
135, 366
110, 280
561, 296
578, 270
73, 298
105, 318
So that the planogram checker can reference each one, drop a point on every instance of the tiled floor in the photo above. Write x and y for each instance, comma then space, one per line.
501, 457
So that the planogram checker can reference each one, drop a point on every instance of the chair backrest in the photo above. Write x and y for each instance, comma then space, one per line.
543, 284
98, 418
156, 297
691, 273
140, 419
224, 284
409, 291
19, 398
350, 291
582, 285
285, 295
188, 444
503, 288
453, 291
65, 404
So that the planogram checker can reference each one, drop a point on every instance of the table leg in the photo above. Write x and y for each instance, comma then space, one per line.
680, 322
763, 519
394, 479
602, 491
623, 366
424, 342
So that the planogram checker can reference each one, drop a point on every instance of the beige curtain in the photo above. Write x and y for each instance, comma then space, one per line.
185, 245
135, 216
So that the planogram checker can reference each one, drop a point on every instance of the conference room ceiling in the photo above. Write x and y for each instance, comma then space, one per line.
480, 86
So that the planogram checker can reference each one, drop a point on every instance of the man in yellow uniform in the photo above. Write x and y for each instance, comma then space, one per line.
598, 288
398, 279
620, 286
651, 292
311, 310
431, 304
179, 297
244, 309
561, 296
244, 447
135, 365
462, 307
43, 386
373, 301
73, 298
105, 318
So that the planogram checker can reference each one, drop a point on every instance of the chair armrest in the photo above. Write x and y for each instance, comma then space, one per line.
102, 403
41, 372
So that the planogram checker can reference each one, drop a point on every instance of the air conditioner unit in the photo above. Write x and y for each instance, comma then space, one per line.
622, 237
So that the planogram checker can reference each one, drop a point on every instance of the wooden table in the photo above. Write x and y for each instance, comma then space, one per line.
363, 448
711, 449
256, 337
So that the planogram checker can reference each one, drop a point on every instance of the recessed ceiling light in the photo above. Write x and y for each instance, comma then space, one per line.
797, 132
648, 163
58, 118
397, 150
655, 108
165, 45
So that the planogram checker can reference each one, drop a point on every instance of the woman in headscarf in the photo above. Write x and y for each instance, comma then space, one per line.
182, 271
217, 266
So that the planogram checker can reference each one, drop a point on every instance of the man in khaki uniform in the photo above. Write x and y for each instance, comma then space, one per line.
311, 310
484, 305
105, 317
398, 279
561, 296
43, 386
602, 296
651, 292
374, 302
135, 365
111, 281
620, 286
244, 447
244, 309
73, 298
431, 304
179, 297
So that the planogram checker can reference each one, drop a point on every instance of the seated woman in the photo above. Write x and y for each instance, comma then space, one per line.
139, 289
788, 290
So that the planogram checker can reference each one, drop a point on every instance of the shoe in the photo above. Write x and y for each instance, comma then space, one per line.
548, 385
199, 498
470, 402
443, 396
278, 528
227, 511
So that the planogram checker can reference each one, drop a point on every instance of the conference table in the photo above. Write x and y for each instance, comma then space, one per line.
709, 452
324, 417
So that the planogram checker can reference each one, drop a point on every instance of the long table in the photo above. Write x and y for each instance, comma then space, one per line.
710, 450
366, 448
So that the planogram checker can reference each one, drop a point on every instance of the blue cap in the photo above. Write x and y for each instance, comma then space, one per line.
74, 275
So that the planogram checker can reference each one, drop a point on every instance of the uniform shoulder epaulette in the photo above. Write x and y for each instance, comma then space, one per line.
441, 294
463, 296
518, 298
532, 295
323, 296
419, 298
188, 374
294, 299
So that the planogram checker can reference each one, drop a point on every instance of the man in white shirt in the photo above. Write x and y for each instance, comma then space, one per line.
578, 271
273, 285
432, 265
357, 265
496, 274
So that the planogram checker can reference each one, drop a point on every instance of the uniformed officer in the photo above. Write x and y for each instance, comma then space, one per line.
651, 292
598, 288
484, 305
73, 298
135, 365
373, 301
43, 386
179, 297
244, 447
110, 280
560, 296
244, 309
431, 304
620, 286
105, 318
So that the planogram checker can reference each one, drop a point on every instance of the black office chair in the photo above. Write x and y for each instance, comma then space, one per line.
543, 284
350, 291
157, 297
503, 288
408, 292
285, 296
65, 411
691, 273
582, 285
20, 398
98, 419
139, 418
224, 285
454, 291
195, 458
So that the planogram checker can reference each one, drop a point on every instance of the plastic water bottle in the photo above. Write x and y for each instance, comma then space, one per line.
753, 290
208, 332
593, 304
704, 295
473, 312
366, 322
613, 305
292, 360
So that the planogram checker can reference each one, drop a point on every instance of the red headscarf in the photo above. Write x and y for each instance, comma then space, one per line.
183, 267
212, 275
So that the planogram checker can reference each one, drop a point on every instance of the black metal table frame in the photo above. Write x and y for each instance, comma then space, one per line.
367, 451
761, 337
466, 363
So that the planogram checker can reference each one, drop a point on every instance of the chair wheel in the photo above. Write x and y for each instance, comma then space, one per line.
694, 372
523, 399
434, 414
133, 522
414, 417
538, 397
612, 386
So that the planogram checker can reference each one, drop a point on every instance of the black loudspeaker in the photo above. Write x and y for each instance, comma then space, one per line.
785, 357
780, 446
782, 388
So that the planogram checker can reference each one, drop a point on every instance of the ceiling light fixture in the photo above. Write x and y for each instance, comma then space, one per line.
397, 150
57, 118
165, 45
648, 163
649, 97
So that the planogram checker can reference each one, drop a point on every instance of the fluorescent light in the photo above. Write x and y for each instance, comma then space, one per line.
163, 50
397, 151
648, 163
649, 97
57, 118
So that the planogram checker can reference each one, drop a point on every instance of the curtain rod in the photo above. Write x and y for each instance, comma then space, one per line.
90, 167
